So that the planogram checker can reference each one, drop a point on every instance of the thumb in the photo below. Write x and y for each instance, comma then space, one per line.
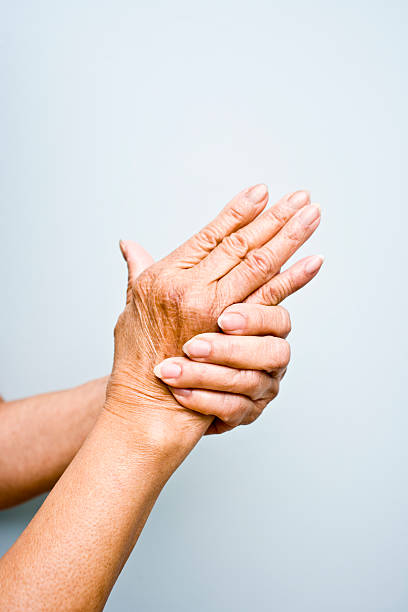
137, 259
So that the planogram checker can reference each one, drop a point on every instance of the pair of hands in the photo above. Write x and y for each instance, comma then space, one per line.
236, 258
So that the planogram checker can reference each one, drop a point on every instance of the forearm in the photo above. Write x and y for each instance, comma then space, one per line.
71, 553
40, 435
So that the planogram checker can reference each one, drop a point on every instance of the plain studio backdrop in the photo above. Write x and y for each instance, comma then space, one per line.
125, 119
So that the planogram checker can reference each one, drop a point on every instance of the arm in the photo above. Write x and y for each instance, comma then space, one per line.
84, 532
70, 555
40, 435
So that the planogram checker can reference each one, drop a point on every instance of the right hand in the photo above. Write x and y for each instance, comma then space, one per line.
184, 294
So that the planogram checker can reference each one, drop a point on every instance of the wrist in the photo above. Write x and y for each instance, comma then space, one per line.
159, 428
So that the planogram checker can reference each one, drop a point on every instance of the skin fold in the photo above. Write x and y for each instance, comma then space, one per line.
71, 553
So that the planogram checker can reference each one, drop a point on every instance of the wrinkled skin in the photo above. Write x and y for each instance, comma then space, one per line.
231, 260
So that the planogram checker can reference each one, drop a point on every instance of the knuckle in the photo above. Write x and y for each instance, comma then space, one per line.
255, 412
231, 409
235, 381
284, 353
207, 237
285, 323
278, 352
273, 389
248, 381
282, 374
270, 295
236, 244
259, 260
287, 286
278, 290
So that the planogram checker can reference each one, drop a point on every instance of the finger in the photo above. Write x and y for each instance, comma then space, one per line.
229, 407
248, 352
217, 426
181, 372
262, 264
234, 247
137, 259
241, 210
284, 284
255, 320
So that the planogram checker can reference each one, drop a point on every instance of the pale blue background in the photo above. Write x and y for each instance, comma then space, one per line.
138, 120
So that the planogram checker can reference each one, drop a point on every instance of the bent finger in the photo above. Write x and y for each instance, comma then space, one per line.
217, 426
255, 319
229, 407
181, 372
248, 352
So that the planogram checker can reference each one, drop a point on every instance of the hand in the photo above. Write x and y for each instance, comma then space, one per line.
235, 396
238, 376
227, 261
249, 368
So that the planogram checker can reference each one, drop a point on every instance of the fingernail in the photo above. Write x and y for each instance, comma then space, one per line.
167, 370
257, 193
182, 392
308, 214
232, 321
299, 197
313, 264
318, 205
197, 348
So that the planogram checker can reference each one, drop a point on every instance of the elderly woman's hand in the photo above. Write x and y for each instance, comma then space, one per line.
239, 375
229, 261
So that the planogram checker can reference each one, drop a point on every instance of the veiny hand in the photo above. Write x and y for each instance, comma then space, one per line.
227, 262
